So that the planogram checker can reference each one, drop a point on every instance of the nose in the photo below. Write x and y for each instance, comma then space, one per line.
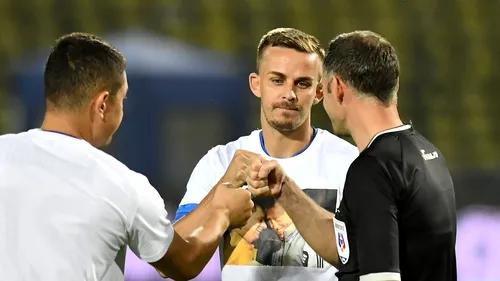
290, 95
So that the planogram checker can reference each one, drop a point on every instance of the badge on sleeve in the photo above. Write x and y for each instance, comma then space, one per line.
342, 242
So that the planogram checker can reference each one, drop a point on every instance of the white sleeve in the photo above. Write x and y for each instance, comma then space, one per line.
205, 175
382, 276
150, 232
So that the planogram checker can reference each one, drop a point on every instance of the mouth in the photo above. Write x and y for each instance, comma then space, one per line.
288, 109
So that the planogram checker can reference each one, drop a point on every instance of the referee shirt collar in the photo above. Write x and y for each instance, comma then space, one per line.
392, 130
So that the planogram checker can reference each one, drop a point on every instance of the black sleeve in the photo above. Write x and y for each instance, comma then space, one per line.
371, 202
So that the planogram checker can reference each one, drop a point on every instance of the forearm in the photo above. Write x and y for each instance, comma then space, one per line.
187, 224
186, 257
206, 239
314, 223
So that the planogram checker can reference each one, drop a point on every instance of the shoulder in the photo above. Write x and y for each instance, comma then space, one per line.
9, 138
386, 148
108, 162
365, 162
127, 189
212, 166
120, 184
366, 171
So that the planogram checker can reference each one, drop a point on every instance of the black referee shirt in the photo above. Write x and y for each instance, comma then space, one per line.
397, 218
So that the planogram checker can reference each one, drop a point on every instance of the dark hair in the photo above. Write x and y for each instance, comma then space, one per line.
79, 66
366, 61
289, 38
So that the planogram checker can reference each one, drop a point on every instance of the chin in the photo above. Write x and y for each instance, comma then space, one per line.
340, 131
102, 143
108, 142
285, 126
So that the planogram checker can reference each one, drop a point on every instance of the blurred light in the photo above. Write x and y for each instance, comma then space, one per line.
478, 244
137, 270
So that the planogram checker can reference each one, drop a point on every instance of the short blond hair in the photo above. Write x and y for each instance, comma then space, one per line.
289, 38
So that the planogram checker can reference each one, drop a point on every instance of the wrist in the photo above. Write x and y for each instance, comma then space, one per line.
223, 214
285, 185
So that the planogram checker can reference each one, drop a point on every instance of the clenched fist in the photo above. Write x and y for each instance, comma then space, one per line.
237, 169
265, 178
236, 201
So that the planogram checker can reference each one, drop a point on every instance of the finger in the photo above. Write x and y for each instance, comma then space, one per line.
252, 175
254, 180
256, 164
266, 168
259, 191
256, 184
250, 195
246, 188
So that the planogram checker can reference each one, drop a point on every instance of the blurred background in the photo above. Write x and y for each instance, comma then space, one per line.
188, 63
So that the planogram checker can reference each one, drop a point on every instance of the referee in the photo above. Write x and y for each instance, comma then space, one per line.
397, 218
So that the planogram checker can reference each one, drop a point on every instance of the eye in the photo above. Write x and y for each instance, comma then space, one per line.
277, 81
304, 84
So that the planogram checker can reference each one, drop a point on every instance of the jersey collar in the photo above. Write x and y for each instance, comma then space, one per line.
263, 146
392, 130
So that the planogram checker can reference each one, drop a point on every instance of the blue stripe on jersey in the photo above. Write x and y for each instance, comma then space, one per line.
261, 137
184, 210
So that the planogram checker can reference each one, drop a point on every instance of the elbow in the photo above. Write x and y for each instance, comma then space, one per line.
182, 267
182, 273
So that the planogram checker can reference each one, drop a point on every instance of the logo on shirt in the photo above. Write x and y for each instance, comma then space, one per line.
429, 156
342, 240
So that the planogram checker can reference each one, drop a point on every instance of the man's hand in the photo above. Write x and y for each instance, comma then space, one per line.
237, 202
236, 171
265, 178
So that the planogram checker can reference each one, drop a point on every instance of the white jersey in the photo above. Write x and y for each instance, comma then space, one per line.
269, 247
68, 211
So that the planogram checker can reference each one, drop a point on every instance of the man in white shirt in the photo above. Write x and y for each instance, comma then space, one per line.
68, 210
269, 247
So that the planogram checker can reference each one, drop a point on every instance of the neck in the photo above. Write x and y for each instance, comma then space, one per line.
286, 144
370, 119
67, 123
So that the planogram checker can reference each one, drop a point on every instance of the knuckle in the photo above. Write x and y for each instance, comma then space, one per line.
240, 174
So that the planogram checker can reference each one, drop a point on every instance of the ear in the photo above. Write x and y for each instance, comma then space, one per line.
319, 93
340, 86
99, 103
254, 82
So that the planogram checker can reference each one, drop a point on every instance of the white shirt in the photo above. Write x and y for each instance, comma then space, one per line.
270, 237
68, 211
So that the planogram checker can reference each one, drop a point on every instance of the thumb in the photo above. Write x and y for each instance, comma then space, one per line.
250, 191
